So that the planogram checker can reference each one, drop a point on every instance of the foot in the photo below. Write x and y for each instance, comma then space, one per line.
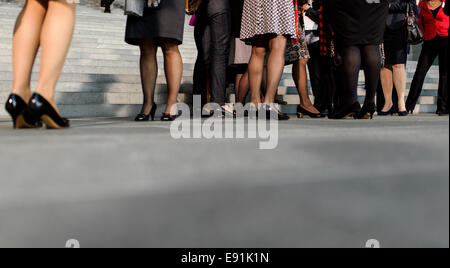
146, 108
310, 108
50, 100
387, 107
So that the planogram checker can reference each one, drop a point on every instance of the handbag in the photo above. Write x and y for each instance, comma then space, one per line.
135, 7
414, 34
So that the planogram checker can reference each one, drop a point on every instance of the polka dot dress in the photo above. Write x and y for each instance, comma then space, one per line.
262, 17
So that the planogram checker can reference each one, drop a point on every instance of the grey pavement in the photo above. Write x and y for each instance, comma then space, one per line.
110, 182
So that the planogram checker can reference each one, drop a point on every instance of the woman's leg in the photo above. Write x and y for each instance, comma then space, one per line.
149, 73
236, 84
173, 67
442, 101
243, 88
372, 67
255, 73
56, 36
399, 71
301, 82
275, 67
26, 37
388, 87
351, 64
426, 59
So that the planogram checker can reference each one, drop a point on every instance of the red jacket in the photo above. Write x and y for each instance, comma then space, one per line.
431, 26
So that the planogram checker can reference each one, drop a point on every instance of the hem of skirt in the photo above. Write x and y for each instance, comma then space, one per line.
249, 39
135, 40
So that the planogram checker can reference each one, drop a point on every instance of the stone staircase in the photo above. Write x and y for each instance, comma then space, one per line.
101, 75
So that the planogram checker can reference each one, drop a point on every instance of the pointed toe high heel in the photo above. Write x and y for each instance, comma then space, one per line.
21, 116
390, 112
367, 111
168, 117
144, 117
42, 109
274, 114
302, 112
347, 112
403, 113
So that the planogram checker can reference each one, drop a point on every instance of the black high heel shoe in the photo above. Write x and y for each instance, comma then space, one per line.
301, 112
168, 117
347, 112
21, 116
367, 111
390, 112
403, 113
42, 109
144, 117
279, 115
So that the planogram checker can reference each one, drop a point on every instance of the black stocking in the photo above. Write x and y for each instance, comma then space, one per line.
372, 69
353, 57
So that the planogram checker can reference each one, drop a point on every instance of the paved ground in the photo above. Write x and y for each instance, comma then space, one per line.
112, 182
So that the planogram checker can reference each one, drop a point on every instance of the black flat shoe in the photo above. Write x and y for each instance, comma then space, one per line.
347, 112
390, 112
21, 115
302, 112
367, 111
143, 117
42, 109
168, 118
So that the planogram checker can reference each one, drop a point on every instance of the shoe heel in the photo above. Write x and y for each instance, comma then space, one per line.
153, 111
16, 107
300, 115
42, 109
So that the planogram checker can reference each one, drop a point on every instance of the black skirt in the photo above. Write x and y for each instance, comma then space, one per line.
357, 22
166, 21
395, 46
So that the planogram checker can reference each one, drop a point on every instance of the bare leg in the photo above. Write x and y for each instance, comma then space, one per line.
243, 88
275, 67
388, 86
301, 82
255, 73
149, 73
400, 85
56, 37
236, 85
173, 67
25, 45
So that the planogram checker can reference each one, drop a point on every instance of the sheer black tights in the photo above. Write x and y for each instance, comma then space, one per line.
353, 57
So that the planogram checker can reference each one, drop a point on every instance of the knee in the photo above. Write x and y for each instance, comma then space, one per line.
170, 49
259, 52
278, 45
148, 51
398, 67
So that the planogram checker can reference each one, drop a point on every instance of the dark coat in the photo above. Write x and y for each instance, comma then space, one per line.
397, 13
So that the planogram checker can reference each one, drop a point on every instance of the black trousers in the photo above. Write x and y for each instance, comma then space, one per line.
318, 69
200, 78
437, 47
214, 34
